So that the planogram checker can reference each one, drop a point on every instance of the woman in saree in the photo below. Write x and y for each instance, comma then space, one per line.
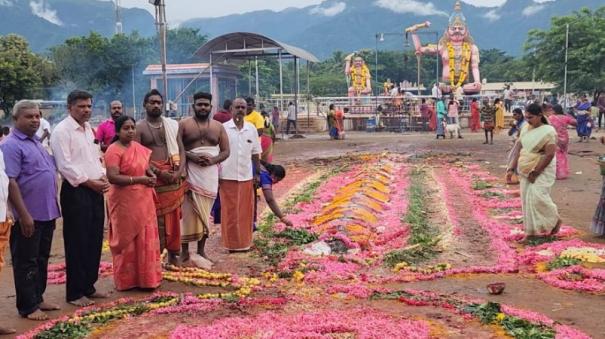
269, 175
535, 162
499, 114
560, 121
133, 229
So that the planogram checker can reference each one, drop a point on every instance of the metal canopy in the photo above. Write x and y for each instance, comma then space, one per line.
246, 46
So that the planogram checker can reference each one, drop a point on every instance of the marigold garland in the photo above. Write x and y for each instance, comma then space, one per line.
466, 58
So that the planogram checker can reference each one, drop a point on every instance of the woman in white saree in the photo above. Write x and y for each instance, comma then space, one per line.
535, 162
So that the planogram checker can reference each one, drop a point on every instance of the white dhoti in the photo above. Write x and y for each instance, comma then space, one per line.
203, 187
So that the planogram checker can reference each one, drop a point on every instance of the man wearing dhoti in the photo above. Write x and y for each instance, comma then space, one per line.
237, 180
163, 137
206, 145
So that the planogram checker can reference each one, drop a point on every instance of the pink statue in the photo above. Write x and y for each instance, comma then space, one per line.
458, 53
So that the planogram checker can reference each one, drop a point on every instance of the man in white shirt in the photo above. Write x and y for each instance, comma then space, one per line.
5, 224
84, 182
236, 186
43, 133
436, 91
291, 117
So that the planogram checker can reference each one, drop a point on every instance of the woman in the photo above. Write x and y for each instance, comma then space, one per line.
559, 121
475, 117
267, 139
584, 120
535, 163
499, 114
441, 115
452, 111
598, 220
432, 116
339, 118
133, 229
331, 120
269, 175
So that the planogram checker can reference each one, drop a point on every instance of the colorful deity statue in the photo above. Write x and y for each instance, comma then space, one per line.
358, 74
458, 54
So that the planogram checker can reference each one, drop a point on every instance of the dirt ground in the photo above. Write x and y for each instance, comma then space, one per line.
576, 197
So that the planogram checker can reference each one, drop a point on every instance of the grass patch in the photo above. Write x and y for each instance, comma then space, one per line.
481, 185
492, 194
562, 262
537, 241
490, 313
423, 238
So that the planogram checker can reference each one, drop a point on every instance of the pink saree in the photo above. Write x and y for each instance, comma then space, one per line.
133, 229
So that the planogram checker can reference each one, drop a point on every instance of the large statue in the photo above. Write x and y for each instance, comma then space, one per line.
458, 52
359, 75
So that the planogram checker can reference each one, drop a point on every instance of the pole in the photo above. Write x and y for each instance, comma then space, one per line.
162, 23
249, 78
418, 71
297, 84
565, 76
281, 84
134, 102
437, 59
376, 64
308, 97
256, 77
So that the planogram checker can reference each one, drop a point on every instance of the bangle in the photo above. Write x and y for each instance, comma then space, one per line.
131, 182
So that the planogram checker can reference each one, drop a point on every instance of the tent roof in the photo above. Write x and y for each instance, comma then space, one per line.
243, 45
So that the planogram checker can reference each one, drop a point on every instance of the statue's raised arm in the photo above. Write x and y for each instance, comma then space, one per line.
430, 49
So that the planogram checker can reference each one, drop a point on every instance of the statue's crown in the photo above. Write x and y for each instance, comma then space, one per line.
457, 18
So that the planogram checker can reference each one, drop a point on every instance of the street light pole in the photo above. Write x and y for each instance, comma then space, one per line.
160, 21
376, 64
565, 75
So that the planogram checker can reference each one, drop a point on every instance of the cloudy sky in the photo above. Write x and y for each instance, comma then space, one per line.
180, 10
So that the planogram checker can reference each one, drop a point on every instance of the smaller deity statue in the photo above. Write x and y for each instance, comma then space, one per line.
387, 86
359, 75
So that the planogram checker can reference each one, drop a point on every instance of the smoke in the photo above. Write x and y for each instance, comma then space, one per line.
43, 10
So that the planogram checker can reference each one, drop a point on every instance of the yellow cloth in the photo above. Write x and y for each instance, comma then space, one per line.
540, 213
5, 231
499, 116
256, 119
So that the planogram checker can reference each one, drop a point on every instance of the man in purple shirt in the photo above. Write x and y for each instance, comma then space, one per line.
33, 194
107, 129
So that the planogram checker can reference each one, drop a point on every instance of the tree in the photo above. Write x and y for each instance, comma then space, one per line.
23, 74
545, 50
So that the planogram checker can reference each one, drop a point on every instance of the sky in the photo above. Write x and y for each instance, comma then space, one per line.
181, 10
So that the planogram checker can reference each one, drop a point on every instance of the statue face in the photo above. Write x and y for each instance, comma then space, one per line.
457, 32
358, 62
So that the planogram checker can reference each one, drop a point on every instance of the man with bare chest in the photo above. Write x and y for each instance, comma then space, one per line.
206, 145
163, 137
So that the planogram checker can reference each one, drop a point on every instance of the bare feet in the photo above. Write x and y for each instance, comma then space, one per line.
184, 257
557, 228
203, 255
45, 306
37, 315
98, 295
6, 330
82, 302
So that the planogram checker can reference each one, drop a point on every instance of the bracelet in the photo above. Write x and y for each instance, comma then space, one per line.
131, 182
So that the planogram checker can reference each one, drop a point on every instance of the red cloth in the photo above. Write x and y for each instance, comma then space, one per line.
168, 209
133, 229
475, 124
222, 116
432, 118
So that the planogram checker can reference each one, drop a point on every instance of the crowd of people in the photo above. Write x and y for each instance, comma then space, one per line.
154, 183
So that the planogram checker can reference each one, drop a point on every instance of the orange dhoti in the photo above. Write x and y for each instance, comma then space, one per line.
237, 214
5, 231
168, 209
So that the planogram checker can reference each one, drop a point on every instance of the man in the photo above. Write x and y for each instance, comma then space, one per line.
43, 133
517, 124
163, 137
84, 183
254, 117
424, 114
508, 98
107, 129
206, 145
488, 118
236, 184
436, 91
601, 104
224, 114
33, 194
5, 225
275, 116
291, 118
